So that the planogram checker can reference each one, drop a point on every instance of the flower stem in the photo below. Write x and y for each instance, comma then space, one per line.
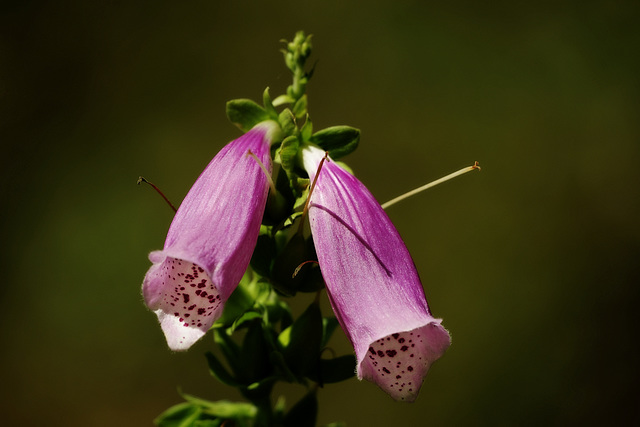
413, 192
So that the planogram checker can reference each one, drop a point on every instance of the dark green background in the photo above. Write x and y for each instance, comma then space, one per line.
533, 263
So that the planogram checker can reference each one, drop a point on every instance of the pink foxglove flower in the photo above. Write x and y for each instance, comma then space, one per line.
210, 241
372, 282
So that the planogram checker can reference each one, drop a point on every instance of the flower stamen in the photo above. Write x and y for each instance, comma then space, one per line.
476, 166
142, 179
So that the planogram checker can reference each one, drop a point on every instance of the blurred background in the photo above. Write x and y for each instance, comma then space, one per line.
533, 263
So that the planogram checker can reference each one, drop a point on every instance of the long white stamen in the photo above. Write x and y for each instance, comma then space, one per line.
431, 184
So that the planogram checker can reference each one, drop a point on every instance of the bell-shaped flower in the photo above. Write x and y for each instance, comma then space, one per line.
372, 282
211, 239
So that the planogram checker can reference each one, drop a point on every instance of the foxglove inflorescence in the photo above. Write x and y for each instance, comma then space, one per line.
230, 230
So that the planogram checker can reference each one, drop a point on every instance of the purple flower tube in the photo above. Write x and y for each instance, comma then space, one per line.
372, 282
210, 241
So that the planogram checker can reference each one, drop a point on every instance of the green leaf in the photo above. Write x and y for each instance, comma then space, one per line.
243, 320
220, 372
304, 413
181, 415
245, 113
278, 361
254, 356
224, 408
283, 99
337, 140
303, 350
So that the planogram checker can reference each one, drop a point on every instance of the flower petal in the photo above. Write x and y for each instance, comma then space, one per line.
371, 281
210, 241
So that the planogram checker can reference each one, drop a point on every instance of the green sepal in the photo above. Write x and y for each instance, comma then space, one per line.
287, 122
337, 140
300, 107
289, 153
220, 372
245, 113
304, 413
268, 105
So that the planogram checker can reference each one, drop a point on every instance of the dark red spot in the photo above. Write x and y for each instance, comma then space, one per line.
395, 336
372, 351
404, 348
398, 377
191, 307
185, 297
401, 340
409, 368
201, 311
386, 370
198, 292
391, 353
380, 353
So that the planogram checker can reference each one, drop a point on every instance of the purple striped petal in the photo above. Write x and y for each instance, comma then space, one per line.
210, 240
372, 282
